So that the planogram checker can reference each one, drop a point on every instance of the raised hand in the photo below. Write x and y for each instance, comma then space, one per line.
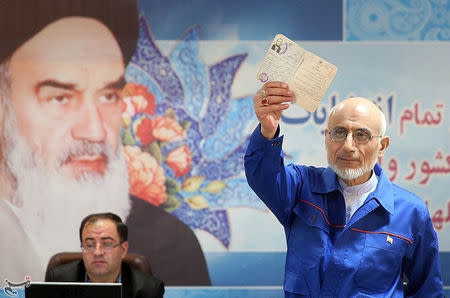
269, 102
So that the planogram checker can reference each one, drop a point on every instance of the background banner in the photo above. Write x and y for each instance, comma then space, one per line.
188, 114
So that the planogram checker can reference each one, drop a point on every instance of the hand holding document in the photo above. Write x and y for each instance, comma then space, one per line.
308, 75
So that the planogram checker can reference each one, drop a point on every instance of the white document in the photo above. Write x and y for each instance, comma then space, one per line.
307, 75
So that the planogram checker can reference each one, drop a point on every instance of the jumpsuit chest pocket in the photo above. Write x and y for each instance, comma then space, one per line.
381, 262
307, 239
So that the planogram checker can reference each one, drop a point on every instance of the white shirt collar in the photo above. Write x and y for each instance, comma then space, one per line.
360, 189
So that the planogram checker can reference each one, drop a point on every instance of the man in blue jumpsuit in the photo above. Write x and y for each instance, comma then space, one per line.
350, 232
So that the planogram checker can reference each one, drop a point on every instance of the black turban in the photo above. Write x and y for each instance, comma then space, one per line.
22, 19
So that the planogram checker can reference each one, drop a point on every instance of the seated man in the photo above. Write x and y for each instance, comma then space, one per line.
103, 238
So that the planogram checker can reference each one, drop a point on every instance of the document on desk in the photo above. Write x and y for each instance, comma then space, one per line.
308, 75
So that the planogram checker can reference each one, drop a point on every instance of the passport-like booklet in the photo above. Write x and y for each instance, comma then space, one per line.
307, 75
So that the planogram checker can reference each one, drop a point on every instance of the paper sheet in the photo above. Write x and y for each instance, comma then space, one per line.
307, 75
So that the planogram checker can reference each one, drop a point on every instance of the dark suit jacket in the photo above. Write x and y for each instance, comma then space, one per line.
134, 283
170, 246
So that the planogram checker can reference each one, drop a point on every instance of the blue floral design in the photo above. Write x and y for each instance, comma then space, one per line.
217, 135
398, 20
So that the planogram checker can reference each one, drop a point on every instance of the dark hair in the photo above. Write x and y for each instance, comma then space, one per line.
122, 228
22, 19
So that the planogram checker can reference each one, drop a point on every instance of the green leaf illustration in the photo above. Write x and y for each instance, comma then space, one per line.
172, 186
171, 204
170, 113
155, 151
127, 137
185, 124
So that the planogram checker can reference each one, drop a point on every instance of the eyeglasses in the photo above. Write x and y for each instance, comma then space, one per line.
105, 246
360, 136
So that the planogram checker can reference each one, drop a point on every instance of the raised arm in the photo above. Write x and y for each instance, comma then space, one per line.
269, 102
266, 174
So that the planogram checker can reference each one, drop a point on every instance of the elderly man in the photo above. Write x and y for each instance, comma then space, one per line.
350, 232
103, 238
62, 68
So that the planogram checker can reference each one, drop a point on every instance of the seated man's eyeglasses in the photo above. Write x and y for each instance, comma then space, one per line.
360, 136
105, 246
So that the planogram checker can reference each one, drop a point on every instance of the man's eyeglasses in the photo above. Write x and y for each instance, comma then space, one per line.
105, 246
360, 136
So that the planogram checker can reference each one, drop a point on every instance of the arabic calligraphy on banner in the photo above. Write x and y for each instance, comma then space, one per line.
425, 118
438, 216
440, 166
320, 116
413, 115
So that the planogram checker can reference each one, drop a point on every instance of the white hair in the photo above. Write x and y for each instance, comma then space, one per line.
5, 91
382, 124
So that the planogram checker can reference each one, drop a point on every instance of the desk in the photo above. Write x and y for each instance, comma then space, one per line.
222, 292
219, 292
202, 292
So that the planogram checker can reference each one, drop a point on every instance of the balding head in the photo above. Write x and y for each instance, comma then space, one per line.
360, 105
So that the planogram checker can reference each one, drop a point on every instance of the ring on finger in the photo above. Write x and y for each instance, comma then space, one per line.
265, 101
263, 92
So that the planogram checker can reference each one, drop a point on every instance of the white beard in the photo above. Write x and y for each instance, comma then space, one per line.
52, 206
352, 174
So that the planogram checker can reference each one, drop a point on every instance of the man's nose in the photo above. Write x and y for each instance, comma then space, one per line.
99, 250
349, 143
90, 124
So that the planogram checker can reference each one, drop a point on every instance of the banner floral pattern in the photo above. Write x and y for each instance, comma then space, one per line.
184, 136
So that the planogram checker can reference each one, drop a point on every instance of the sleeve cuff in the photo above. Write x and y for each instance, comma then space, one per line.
258, 140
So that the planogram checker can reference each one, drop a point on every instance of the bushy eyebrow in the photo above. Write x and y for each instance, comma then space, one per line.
339, 127
103, 239
107, 238
117, 84
358, 129
364, 130
54, 84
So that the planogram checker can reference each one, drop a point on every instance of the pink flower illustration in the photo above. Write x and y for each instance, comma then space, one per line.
146, 176
167, 130
144, 131
179, 160
137, 99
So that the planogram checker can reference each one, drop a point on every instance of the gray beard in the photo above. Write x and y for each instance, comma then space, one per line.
51, 206
350, 174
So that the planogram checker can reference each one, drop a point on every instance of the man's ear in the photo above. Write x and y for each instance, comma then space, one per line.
125, 249
384, 143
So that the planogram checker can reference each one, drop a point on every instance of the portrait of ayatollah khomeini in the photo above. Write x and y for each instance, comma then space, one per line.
62, 66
